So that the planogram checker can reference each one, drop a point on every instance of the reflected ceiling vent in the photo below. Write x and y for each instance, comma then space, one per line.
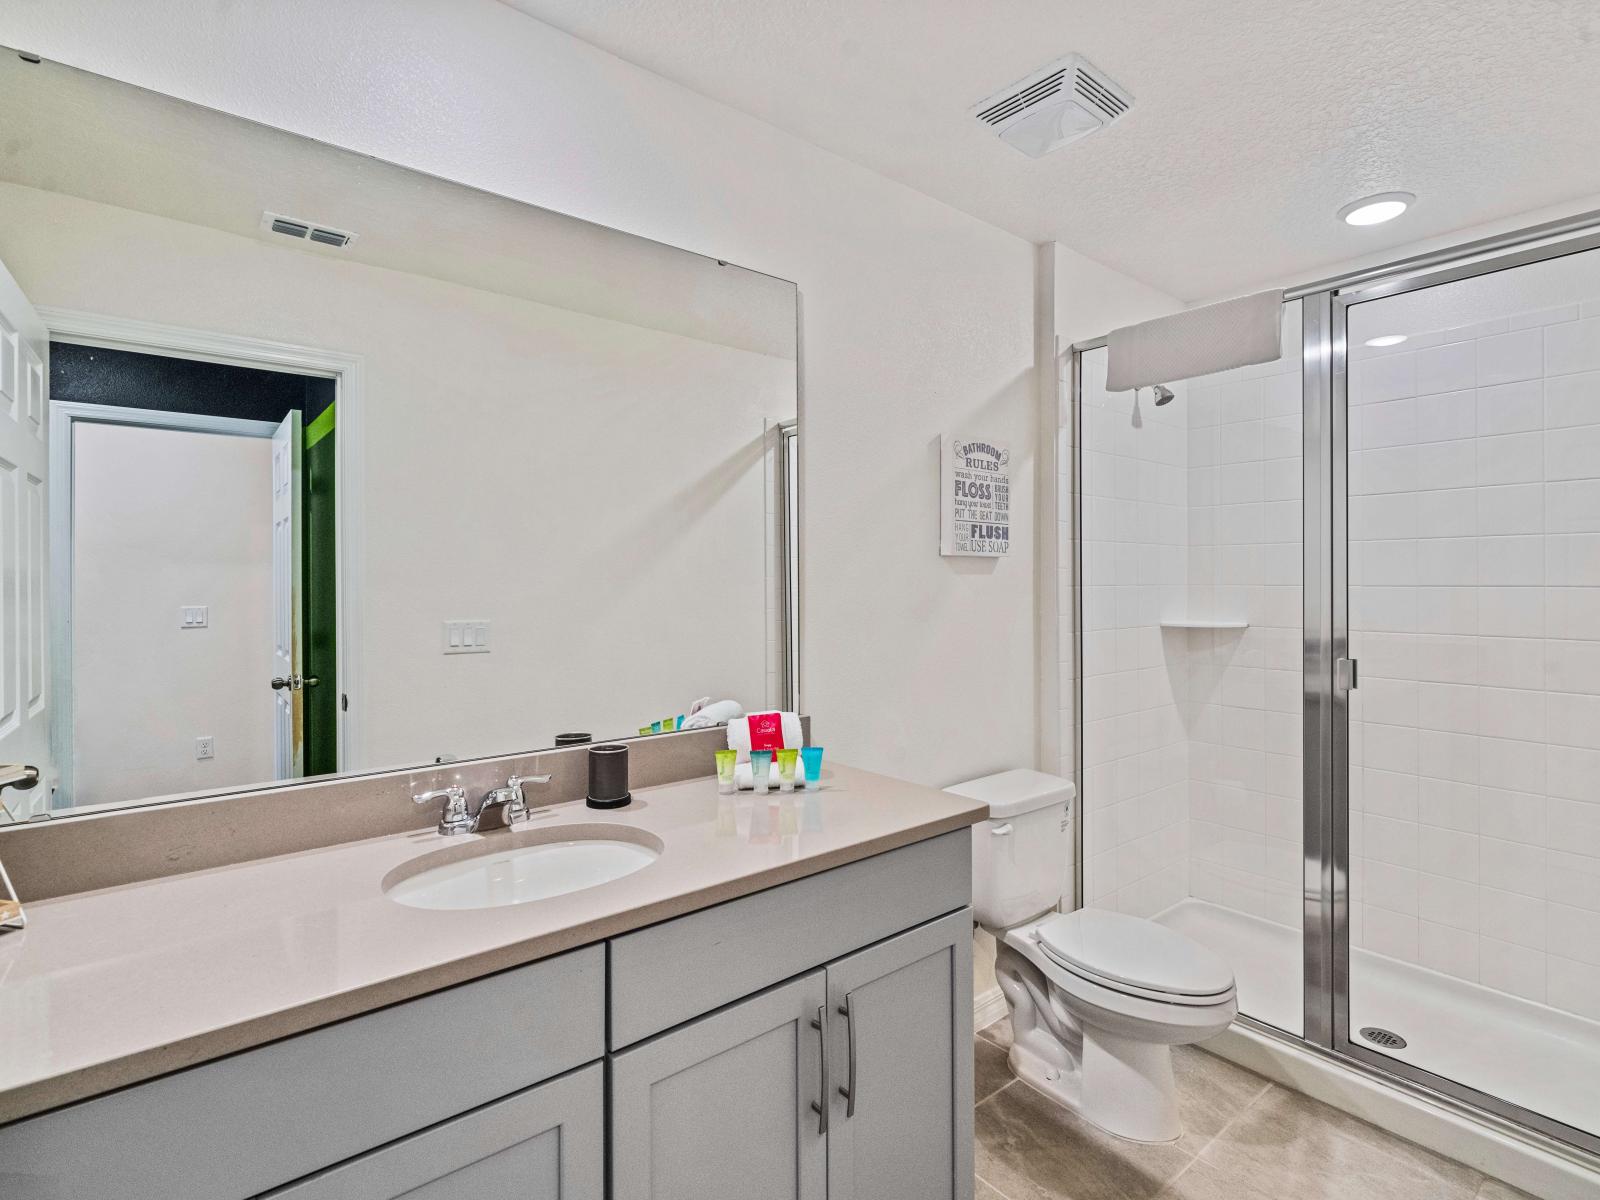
304, 230
1057, 104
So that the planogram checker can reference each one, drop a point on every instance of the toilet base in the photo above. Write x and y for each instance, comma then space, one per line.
1124, 1088
1128, 1088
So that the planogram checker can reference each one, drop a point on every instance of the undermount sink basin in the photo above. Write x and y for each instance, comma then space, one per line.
522, 866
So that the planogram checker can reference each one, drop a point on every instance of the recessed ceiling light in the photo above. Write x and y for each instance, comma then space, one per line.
1375, 210
1388, 339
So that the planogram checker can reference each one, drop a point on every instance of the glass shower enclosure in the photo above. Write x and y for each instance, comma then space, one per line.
1337, 633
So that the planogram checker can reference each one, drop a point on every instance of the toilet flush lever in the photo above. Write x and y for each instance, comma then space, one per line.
1001, 830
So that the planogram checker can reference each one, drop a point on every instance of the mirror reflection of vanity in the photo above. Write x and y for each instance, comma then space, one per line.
310, 463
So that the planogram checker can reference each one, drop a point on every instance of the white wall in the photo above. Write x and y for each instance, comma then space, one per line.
916, 318
1092, 299
498, 433
145, 687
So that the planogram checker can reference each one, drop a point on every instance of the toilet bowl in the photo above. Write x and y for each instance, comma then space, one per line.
1097, 999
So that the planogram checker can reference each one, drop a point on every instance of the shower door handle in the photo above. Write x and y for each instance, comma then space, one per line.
1345, 676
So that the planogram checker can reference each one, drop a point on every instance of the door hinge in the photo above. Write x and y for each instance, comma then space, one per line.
344, 702
1345, 674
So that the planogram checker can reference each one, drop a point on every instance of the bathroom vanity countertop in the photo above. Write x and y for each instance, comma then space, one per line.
111, 987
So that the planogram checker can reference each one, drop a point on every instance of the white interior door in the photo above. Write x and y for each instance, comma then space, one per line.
24, 554
286, 656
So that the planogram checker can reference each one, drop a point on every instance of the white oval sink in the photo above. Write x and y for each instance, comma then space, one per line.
521, 867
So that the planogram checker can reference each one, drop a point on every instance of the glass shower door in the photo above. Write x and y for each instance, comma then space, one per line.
1190, 561
1466, 782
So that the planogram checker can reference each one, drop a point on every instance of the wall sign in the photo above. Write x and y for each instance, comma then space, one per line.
975, 497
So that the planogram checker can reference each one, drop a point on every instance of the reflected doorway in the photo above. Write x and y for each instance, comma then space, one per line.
198, 640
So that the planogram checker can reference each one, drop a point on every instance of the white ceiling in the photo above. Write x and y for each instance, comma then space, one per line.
84, 135
1254, 119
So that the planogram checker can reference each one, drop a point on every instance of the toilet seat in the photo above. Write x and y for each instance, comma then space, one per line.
1135, 957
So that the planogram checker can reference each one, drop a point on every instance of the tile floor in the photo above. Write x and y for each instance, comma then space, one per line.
1244, 1139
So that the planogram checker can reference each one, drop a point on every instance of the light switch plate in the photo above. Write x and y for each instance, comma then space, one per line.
466, 637
194, 616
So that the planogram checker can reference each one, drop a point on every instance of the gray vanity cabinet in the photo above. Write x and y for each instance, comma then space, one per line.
721, 1108
545, 1143
728, 1107
900, 1030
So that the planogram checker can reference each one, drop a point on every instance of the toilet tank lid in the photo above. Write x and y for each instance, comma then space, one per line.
1012, 793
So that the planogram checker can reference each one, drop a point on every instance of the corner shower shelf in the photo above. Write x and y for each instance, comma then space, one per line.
1205, 624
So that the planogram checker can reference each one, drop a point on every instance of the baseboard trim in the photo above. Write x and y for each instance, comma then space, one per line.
1523, 1164
988, 1007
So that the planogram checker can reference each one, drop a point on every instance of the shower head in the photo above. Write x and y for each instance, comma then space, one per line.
1164, 395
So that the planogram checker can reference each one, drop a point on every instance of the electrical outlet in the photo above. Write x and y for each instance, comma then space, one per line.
204, 748
194, 616
466, 637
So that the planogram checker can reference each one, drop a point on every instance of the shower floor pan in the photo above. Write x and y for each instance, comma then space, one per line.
1532, 1055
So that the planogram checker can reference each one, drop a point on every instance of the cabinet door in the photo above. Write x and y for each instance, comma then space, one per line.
541, 1144
900, 1035
721, 1108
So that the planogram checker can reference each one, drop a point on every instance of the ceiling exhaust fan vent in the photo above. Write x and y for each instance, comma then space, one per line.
1059, 103
305, 231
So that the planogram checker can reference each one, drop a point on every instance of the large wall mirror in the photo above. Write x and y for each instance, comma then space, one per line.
310, 463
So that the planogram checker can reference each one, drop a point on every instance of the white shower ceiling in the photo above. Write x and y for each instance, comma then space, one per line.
1254, 124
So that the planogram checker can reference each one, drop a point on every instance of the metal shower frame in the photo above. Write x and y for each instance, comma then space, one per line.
1326, 959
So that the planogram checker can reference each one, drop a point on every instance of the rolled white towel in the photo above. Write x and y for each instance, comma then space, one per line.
705, 714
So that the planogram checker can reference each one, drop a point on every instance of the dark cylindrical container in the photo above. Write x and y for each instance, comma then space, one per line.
573, 739
608, 777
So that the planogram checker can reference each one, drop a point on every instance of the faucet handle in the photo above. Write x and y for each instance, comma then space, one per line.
455, 818
517, 805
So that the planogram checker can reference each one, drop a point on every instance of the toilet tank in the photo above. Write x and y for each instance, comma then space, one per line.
1022, 855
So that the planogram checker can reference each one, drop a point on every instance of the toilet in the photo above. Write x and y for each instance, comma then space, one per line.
1097, 998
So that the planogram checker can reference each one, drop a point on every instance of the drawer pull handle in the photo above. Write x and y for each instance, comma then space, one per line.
849, 1092
819, 1023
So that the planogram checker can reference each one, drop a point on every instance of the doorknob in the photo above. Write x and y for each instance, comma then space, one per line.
18, 775
293, 683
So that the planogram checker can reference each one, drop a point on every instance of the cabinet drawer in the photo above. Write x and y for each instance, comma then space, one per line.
675, 971
542, 1144
244, 1124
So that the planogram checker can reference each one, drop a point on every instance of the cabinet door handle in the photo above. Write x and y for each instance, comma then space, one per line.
847, 1009
820, 1024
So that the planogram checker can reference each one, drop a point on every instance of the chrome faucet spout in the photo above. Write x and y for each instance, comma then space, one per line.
509, 801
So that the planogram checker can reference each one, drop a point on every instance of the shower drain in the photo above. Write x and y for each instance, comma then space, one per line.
1388, 1039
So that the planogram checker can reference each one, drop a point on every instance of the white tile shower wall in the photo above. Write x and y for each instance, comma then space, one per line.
1135, 803
1475, 614
1242, 695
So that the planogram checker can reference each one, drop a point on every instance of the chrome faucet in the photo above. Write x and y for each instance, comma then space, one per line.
508, 801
